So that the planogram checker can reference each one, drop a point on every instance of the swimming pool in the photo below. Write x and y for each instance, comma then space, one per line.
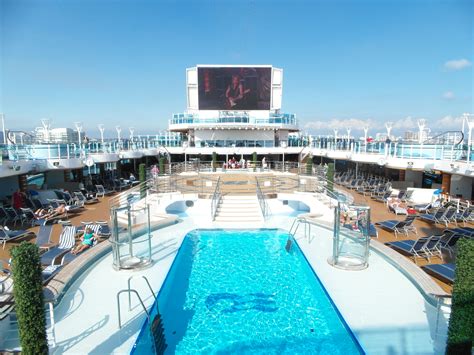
240, 291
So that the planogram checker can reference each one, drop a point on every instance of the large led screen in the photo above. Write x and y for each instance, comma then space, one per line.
234, 88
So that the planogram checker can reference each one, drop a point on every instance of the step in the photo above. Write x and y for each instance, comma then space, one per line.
238, 214
238, 203
228, 209
234, 219
238, 206
235, 208
239, 197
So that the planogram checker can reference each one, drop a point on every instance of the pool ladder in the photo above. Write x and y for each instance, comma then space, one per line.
294, 228
156, 328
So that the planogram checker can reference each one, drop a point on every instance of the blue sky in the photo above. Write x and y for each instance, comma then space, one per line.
345, 62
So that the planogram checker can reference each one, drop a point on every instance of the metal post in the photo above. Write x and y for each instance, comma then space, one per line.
3, 129
130, 230
101, 129
149, 233
366, 131
348, 138
335, 244
118, 129
79, 129
469, 140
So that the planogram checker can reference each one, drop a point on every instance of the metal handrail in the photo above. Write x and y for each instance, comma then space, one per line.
261, 199
122, 197
118, 304
129, 288
216, 198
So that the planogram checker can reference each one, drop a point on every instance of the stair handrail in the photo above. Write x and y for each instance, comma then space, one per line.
118, 304
216, 197
261, 200
122, 198
130, 288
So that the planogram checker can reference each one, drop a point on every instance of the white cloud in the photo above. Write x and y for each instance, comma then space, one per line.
354, 124
448, 95
405, 123
457, 64
449, 122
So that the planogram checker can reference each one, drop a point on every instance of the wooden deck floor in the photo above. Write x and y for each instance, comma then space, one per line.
94, 212
379, 212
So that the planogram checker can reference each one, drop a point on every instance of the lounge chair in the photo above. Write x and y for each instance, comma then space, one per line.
465, 216
422, 247
43, 237
445, 272
3, 216
397, 227
104, 230
83, 199
69, 256
466, 231
383, 198
101, 191
438, 217
7, 235
422, 208
49, 272
13, 215
67, 240
448, 250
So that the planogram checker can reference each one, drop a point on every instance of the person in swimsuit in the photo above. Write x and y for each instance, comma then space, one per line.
87, 241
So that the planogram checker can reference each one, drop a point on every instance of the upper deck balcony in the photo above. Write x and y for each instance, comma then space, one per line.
231, 119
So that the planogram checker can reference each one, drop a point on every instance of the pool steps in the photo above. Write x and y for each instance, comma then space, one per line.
239, 208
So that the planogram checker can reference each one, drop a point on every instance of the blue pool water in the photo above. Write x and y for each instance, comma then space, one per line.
240, 291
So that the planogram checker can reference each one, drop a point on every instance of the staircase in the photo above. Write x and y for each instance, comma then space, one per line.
242, 209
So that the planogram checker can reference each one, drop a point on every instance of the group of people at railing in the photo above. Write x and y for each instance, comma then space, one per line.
233, 163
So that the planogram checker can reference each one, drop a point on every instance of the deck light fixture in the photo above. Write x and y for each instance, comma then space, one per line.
101, 129
78, 129
421, 126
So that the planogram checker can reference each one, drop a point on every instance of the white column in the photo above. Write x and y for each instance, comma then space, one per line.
3, 128
366, 131
101, 129
389, 126
79, 129
335, 138
470, 124
46, 126
118, 129
348, 137
421, 128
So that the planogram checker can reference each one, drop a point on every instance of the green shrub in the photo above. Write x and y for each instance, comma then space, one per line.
142, 172
29, 300
214, 161
142, 178
309, 165
461, 322
330, 176
161, 165
254, 161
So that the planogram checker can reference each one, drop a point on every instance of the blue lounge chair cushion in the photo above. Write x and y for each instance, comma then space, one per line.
428, 217
390, 224
446, 271
408, 245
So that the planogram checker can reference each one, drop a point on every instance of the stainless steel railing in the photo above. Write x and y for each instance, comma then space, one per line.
216, 198
261, 200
